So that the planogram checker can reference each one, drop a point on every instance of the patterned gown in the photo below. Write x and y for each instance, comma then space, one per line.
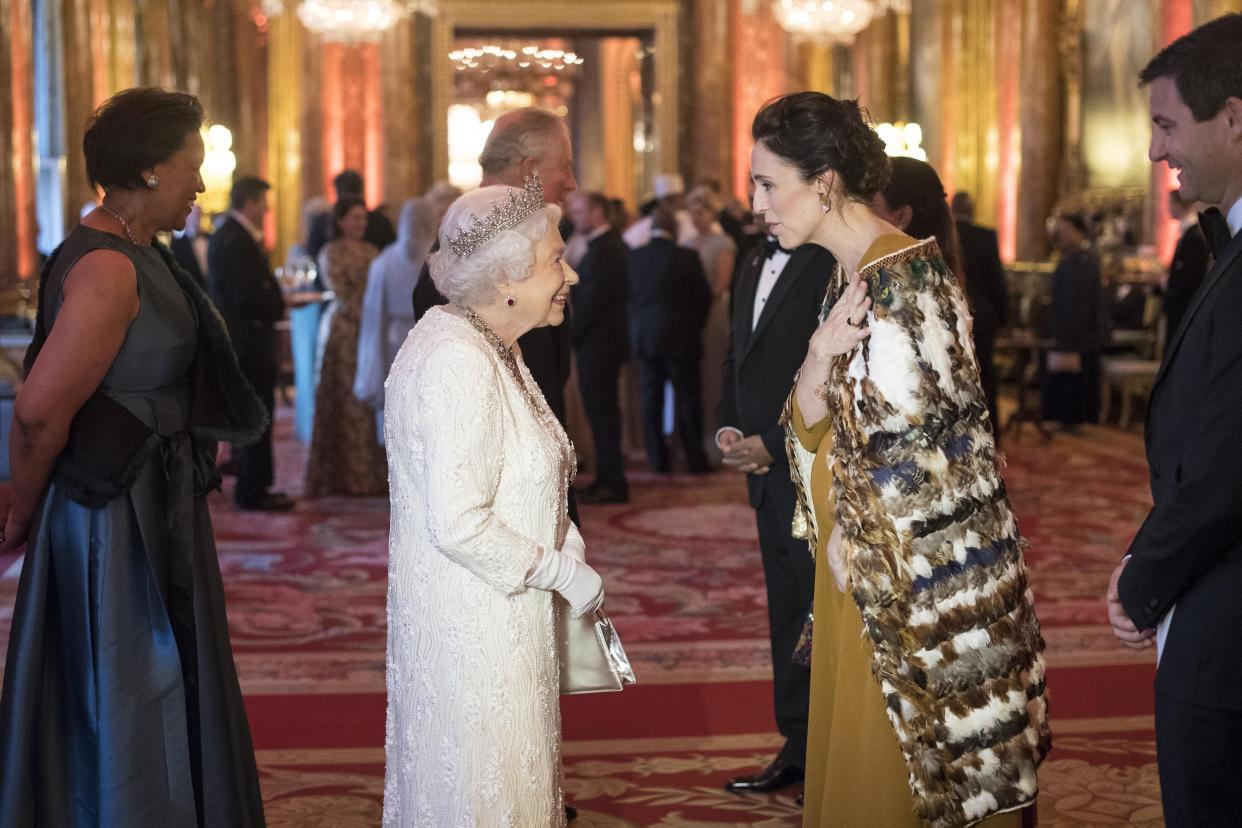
479, 473
345, 455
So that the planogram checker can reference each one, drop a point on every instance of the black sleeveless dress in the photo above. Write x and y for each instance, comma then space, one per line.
121, 704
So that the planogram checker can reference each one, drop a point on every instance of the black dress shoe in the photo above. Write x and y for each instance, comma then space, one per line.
571, 813
772, 778
267, 502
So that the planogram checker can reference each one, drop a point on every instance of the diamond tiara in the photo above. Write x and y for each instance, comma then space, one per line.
521, 205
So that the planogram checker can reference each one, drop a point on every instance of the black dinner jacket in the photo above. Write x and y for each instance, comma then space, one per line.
241, 284
669, 301
1187, 270
1188, 551
760, 365
600, 325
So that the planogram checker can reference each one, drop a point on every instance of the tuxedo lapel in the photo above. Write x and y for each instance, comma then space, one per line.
744, 298
1223, 263
793, 268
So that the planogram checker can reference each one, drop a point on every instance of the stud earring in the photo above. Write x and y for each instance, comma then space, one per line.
510, 301
153, 181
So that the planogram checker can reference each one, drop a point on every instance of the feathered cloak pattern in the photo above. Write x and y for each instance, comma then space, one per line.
936, 564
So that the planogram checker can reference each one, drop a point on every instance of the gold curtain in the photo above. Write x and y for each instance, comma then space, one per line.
285, 145
403, 174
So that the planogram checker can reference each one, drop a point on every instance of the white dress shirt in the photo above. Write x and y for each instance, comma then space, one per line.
1233, 217
773, 267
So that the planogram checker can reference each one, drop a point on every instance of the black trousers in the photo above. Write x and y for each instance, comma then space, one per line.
688, 405
1071, 399
789, 571
1197, 753
253, 463
599, 381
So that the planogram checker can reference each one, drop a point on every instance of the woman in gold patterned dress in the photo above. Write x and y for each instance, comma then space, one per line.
927, 680
345, 457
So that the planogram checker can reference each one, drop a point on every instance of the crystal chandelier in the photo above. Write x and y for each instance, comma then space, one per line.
352, 21
833, 21
534, 70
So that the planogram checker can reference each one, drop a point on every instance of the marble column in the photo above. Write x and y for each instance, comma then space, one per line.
80, 101
17, 222
403, 175
1008, 33
712, 56
1040, 115
759, 73
617, 67
285, 136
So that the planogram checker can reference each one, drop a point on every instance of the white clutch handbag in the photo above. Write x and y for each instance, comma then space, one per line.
592, 658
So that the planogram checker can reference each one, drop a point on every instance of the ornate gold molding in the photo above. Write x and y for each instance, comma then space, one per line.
659, 17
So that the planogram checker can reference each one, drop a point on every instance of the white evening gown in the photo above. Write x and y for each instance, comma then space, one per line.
473, 727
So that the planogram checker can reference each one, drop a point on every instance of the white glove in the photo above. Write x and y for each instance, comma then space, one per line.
575, 546
576, 582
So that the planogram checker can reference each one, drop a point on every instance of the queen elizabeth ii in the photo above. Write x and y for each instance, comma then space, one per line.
479, 470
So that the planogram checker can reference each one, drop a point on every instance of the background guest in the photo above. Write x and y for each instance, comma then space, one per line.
524, 142
387, 316
718, 255
1188, 267
669, 301
987, 292
349, 185
601, 341
121, 704
670, 194
775, 311
245, 291
189, 247
345, 456
1078, 321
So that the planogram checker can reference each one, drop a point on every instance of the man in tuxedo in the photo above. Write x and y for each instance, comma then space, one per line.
776, 301
522, 142
349, 184
600, 330
1178, 587
669, 301
1188, 267
986, 291
242, 286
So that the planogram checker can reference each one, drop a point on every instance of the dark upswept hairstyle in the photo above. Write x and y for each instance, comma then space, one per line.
816, 133
247, 189
916, 185
339, 210
134, 130
1205, 65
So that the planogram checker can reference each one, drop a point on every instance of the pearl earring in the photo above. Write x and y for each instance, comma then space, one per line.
153, 181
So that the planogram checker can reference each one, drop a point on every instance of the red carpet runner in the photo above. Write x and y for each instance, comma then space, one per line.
306, 604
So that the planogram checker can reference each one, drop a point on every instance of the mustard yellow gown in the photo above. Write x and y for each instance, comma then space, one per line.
856, 776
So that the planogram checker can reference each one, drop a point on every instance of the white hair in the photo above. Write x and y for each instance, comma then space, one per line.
509, 256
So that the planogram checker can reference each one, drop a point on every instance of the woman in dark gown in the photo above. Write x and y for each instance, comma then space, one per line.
121, 705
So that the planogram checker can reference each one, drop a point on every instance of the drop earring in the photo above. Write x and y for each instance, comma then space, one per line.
153, 181
824, 206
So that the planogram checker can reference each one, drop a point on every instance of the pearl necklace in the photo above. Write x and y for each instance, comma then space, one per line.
128, 232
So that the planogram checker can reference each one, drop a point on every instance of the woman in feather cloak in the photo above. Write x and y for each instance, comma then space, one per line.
903, 504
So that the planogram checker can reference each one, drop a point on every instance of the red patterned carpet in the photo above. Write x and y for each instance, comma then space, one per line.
306, 604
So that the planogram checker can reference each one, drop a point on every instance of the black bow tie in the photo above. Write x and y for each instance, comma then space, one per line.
771, 245
1216, 229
